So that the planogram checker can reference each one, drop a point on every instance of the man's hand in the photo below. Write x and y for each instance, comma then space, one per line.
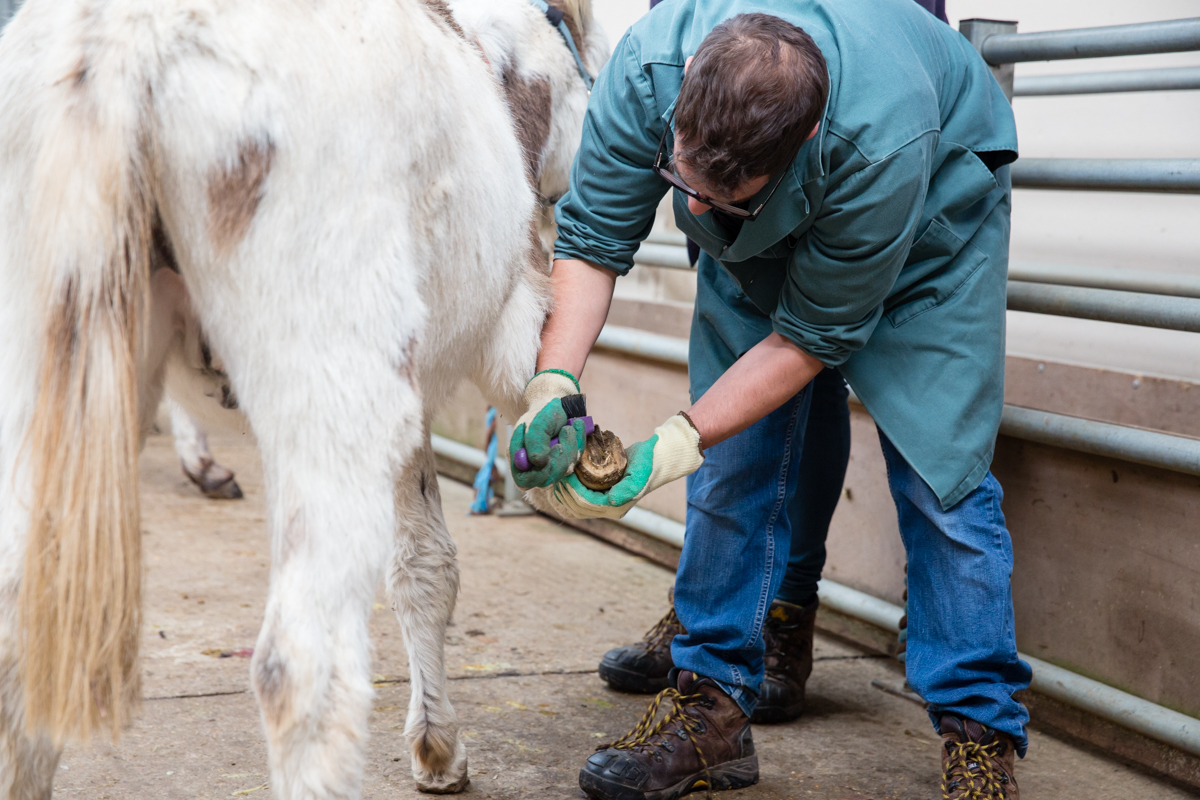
671, 453
543, 421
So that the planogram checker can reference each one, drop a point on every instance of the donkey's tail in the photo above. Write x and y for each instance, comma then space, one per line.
90, 227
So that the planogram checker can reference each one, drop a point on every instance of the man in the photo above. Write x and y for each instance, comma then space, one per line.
844, 168
644, 666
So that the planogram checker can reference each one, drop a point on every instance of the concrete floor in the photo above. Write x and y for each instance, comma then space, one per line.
539, 604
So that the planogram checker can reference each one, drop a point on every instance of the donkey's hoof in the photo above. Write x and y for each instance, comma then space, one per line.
214, 481
452, 780
225, 490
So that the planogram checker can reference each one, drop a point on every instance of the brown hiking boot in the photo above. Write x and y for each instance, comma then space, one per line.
977, 761
788, 637
703, 742
642, 667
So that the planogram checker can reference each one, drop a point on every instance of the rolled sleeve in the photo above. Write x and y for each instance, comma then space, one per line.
845, 266
609, 208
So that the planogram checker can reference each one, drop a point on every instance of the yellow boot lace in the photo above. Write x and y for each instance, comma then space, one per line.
663, 630
647, 729
971, 768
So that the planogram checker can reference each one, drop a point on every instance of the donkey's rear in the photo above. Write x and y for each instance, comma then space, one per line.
339, 187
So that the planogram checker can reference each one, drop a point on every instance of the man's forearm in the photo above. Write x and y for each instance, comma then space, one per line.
582, 294
759, 382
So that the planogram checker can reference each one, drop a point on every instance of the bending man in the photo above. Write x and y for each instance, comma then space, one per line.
843, 166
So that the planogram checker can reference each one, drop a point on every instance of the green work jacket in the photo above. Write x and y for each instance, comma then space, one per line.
884, 251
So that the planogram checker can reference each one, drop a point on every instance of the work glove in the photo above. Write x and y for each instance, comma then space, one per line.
671, 453
543, 420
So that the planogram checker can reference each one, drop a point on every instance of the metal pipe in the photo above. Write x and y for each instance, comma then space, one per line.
654, 525
654, 254
667, 237
462, 453
662, 254
1127, 280
1129, 711
1174, 175
1175, 284
1129, 308
643, 344
1161, 450
1171, 36
1136, 80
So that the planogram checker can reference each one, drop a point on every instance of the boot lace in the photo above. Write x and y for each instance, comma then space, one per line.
663, 631
971, 772
643, 734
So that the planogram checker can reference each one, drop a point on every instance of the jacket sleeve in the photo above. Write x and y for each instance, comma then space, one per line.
845, 266
613, 193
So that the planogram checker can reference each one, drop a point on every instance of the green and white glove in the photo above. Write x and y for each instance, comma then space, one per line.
671, 453
543, 420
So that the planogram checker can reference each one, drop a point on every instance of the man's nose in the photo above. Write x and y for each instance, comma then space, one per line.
696, 207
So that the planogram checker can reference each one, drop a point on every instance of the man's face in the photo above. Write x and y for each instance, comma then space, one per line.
698, 207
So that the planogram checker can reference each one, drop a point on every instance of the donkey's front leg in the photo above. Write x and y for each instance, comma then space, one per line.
423, 585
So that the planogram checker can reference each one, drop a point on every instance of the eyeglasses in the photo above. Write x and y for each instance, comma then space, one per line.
670, 177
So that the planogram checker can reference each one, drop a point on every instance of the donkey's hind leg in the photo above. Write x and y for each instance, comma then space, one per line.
191, 445
330, 478
423, 585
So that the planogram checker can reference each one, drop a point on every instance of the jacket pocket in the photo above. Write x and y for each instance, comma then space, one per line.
938, 264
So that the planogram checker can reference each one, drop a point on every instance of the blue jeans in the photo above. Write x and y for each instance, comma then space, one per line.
962, 654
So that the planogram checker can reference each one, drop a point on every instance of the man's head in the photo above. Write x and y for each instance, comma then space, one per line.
752, 94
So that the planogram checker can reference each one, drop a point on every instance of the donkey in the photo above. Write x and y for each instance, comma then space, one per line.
348, 205
544, 98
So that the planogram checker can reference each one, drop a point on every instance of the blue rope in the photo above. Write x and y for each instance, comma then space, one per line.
555, 17
483, 478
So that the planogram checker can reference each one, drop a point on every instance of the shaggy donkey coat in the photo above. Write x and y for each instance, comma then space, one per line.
339, 192
548, 102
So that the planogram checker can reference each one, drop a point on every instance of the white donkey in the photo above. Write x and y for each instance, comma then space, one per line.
339, 192
529, 64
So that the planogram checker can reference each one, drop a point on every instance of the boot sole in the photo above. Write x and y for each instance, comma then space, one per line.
774, 715
624, 680
730, 775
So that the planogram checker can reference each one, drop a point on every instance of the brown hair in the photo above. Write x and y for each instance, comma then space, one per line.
754, 91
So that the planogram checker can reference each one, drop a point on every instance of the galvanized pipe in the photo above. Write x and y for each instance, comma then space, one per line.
1175, 175
1161, 450
1138, 80
1129, 308
1129, 711
1171, 36
1127, 280
643, 344
1175, 284
654, 254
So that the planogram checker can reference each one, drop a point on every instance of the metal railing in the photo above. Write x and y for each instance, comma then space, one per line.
1132, 297
1152, 448
1171, 36
1140, 80
1129, 711
1172, 175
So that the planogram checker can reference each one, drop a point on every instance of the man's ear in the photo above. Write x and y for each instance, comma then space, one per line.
812, 133
687, 64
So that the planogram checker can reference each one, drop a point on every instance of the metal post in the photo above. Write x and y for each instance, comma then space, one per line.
977, 32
